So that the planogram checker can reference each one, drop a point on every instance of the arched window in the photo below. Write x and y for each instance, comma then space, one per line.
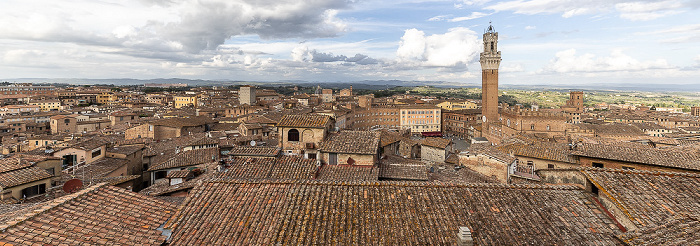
293, 135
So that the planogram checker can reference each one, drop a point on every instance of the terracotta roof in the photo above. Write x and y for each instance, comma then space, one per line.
116, 180
650, 156
293, 167
125, 150
436, 142
682, 229
397, 168
284, 167
648, 197
254, 151
348, 173
387, 138
189, 158
179, 174
97, 215
352, 142
23, 176
539, 152
307, 121
13, 163
386, 213
183, 122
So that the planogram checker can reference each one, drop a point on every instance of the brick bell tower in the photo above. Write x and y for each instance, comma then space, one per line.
490, 61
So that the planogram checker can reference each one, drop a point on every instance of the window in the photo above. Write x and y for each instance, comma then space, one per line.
34, 190
52, 171
550, 166
529, 163
293, 135
532, 127
332, 158
161, 174
627, 168
97, 152
598, 165
548, 128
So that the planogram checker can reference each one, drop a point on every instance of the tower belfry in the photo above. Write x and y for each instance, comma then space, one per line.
490, 61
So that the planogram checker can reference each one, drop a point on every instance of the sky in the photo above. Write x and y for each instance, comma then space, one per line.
542, 41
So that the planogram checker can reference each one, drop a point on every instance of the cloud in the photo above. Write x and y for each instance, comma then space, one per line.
567, 61
530, 27
458, 47
189, 25
304, 54
635, 10
473, 15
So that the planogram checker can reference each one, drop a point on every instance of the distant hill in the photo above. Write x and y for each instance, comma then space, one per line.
366, 84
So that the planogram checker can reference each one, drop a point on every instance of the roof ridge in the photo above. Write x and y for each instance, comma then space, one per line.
392, 183
646, 172
47, 206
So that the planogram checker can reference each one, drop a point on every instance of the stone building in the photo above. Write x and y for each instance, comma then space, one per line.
246, 95
327, 95
436, 149
303, 134
351, 148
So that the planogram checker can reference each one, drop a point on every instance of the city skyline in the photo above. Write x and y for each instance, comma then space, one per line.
543, 42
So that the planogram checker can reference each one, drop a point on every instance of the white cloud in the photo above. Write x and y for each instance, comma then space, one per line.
473, 15
457, 47
567, 61
635, 10
530, 27
191, 25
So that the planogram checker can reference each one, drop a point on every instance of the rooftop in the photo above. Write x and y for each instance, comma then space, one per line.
307, 120
352, 142
97, 215
386, 213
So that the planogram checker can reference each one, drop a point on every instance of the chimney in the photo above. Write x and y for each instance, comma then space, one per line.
464, 237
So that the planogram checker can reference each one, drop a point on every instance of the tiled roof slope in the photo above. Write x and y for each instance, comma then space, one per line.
97, 215
397, 168
539, 152
254, 151
308, 120
189, 158
293, 167
387, 213
23, 176
436, 142
682, 229
664, 158
284, 167
13, 163
352, 142
348, 173
648, 197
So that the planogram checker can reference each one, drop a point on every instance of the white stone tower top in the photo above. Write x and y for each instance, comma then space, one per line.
491, 57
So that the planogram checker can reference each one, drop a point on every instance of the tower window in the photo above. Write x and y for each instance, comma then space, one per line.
491, 46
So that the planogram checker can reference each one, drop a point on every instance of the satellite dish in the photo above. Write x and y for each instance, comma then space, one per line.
252, 143
72, 185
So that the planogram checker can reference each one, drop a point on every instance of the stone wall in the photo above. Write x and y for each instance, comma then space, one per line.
486, 166
432, 154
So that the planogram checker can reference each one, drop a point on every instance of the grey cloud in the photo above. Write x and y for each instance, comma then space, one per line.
329, 57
